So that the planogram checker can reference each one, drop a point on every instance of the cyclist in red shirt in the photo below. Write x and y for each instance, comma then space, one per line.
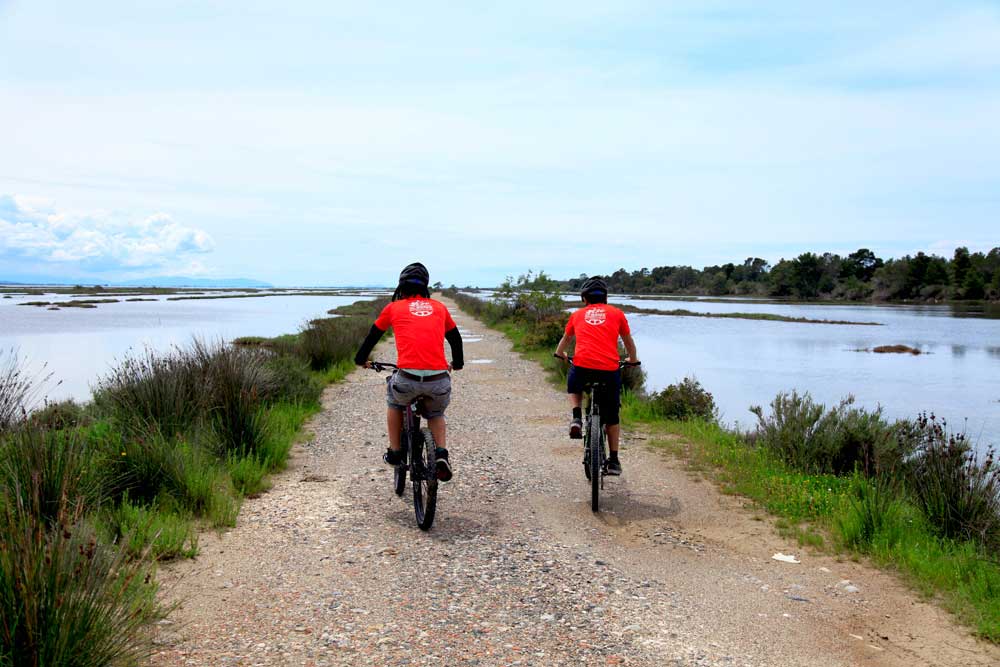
597, 328
420, 326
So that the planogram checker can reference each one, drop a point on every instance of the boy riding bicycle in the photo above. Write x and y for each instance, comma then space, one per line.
597, 328
420, 326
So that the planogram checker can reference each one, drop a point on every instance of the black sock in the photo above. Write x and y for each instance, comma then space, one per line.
612, 456
577, 413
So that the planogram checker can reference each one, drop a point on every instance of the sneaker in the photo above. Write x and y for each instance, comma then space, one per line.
394, 456
576, 429
614, 466
443, 467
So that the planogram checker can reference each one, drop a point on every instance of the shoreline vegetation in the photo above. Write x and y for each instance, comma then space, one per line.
861, 276
93, 495
909, 496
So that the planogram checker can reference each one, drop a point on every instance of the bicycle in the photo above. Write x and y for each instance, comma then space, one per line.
419, 461
595, 466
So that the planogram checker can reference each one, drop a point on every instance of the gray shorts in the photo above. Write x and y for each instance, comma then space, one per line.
401, 391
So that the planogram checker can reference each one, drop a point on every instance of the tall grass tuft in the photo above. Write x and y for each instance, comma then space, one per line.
154, 392
325, 342
874, 512
17, 389
49, 471
65, 598
957, 492
237, 379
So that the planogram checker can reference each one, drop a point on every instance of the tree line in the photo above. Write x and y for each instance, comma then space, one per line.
859, 276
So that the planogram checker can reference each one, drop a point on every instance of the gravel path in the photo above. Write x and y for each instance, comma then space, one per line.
328, 568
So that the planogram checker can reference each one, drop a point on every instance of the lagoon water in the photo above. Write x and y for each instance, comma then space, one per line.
77, 346
744, 362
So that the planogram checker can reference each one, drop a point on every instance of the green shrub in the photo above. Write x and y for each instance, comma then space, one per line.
957, 492
65, 598
545, 332
61, 415
685, 400
249, 474
137, 529
839, 441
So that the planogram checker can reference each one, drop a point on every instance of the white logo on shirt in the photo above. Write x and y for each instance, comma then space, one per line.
422, 308
595, 316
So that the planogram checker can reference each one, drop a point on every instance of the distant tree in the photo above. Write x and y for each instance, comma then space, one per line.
973, 287
861, 264
960, 265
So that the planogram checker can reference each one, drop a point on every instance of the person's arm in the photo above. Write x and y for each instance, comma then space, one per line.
371, 340
633, 356
563, 344
454, 338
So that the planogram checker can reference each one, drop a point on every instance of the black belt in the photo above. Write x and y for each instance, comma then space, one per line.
422, 378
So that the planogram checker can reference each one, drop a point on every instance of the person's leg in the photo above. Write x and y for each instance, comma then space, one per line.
573, 389
613, 432
438, 430
394, 424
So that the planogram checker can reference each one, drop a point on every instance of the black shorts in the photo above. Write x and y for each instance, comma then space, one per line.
610, 400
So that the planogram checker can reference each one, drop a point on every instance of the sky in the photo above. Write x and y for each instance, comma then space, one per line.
329, 143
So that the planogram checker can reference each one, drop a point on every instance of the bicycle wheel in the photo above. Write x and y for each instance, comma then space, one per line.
424, 478
595, 445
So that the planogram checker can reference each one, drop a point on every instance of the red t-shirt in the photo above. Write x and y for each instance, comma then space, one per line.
418, 324
597, 328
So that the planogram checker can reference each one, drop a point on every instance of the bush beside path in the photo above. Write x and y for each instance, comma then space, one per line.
328, 568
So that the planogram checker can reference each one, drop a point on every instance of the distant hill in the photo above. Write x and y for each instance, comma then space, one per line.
158, 281
180, 281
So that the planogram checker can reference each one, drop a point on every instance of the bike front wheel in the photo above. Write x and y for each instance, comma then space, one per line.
424, 477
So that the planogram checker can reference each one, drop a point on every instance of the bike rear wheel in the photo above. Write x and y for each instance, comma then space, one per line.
595, 450
424, 477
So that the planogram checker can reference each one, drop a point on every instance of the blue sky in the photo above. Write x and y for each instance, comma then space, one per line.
331, 143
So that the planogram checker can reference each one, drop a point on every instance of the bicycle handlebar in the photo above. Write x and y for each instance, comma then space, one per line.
621, 364
379, 366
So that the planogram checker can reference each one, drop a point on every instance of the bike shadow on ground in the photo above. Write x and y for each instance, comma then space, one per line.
620, 509
447, 526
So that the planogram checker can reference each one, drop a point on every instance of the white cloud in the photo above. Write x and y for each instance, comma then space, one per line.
33, 229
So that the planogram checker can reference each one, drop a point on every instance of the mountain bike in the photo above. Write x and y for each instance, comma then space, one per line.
595, 466
419, 459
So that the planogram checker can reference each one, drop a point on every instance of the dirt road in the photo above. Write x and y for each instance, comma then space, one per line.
328, 568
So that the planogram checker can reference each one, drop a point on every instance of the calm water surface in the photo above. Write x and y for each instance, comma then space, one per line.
744, 362
80, 345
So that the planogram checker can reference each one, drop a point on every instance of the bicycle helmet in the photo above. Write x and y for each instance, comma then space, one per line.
415, 278
595, 286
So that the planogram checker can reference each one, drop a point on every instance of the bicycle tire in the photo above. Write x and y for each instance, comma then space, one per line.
595, 445
424, 478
